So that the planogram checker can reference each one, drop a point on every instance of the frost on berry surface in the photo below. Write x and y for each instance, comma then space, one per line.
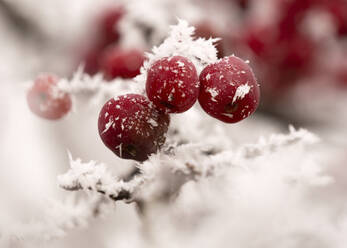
172, 84
131, 127
229, 90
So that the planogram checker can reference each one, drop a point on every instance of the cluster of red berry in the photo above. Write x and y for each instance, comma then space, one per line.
105, 55
133, 127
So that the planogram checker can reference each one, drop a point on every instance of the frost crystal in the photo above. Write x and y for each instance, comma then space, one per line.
181, 42
241, 92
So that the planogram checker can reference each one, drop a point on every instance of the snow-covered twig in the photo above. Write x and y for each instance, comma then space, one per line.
165, 172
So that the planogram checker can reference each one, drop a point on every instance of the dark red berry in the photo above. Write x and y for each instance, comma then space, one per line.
131, 127
229, 90
172, 84
124, 63
46, 100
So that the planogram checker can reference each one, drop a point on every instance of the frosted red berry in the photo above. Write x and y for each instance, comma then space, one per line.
229, 90
172, 84
119, 62
46, 100
131, 127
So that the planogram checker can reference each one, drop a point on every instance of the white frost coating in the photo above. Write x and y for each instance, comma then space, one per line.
96, 177
181, 42
108, 125
241, 92
153, 122
180, 63
96, 86
188, 159
213, 93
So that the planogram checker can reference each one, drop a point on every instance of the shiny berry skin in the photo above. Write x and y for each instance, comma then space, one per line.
229, 90
131, 127
120, 62
46, 100
172, 84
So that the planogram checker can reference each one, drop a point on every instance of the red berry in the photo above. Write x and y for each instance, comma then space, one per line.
131, 127
46, 100
292, 13
260, 39
229, 90
108, 25
91, 60
172, 84
297, 52
118, 62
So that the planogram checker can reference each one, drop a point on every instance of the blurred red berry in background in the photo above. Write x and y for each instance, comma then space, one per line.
46, 100
121, 62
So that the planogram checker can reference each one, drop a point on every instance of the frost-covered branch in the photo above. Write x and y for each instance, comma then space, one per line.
277, 141
95, 177
165, 172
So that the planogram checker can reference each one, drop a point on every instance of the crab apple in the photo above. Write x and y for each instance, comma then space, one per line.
119, 62
172, 84
131, 127
46, 100
229, 91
